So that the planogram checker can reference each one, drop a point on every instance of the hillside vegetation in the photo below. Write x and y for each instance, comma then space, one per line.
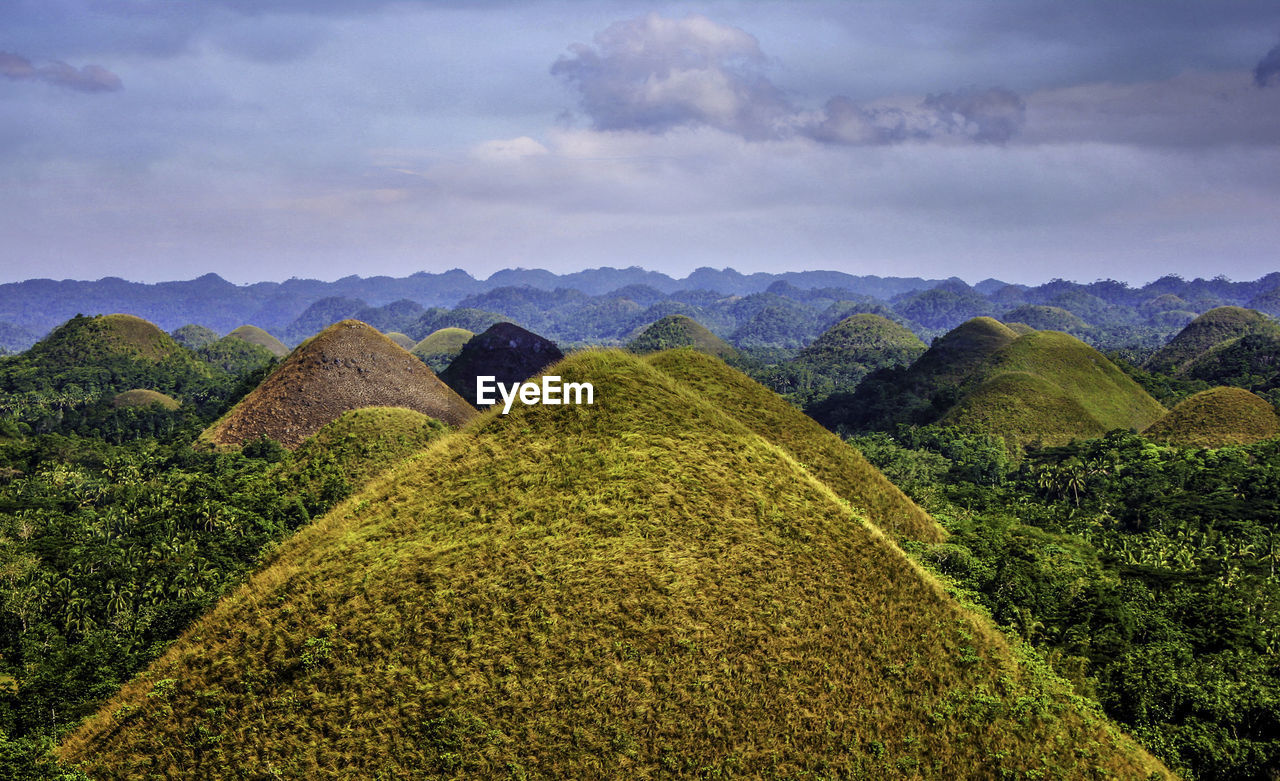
841, 467
141, 397
643, 588
255, 335
347, 366
679, 331
1207, 331
439, 348
1216, 418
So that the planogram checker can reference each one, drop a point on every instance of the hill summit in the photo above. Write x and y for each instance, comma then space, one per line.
849, 350
679, 331
255, 335
505, 351
1213, 328
347, 366
1215, 418
643, 588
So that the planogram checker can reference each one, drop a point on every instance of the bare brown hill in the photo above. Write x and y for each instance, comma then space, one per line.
349, 365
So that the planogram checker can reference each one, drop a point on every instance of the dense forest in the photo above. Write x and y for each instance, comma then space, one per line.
1130, 542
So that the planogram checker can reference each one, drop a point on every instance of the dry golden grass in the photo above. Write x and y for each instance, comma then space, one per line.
347, 366
643, 588
255, 335
141, 397
1217, 417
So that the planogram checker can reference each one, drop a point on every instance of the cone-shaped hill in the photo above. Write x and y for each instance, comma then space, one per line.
959, 354
255, 335
857, 345
679, 331
141, 398
404, 340
1050, 387
824, 454
1216, 418
639, 588
1207, 331
440, 347
1045, 318
505, 351
347, 366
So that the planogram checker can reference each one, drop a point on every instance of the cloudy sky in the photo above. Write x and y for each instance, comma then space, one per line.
264, 139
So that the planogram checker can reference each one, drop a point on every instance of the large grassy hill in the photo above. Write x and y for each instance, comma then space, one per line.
1049, 387
847, 351
347, 366
642, 588
439, 348
1207, 331
824, 454
1215, 418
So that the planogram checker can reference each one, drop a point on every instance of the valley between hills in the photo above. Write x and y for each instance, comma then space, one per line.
812, 526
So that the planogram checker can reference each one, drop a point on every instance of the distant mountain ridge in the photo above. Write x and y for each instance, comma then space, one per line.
606, 305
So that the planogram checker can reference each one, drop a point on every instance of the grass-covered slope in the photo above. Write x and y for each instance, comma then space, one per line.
193, 337
1215, 418
362, 442
1045, 318
824, 454
679, 331
1207, 331
858, 344
959, 354
404, 340
143, 398
642, 588
347, 366
255, 335
438, 348
1049, 387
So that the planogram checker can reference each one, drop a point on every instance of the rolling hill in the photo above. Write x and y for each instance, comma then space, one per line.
1207, 331
439, 348
505, 351
143, 398
255, 335
1050, 387
642, 588
679, 331
347, 366
1215, 418
857, 345
404, 340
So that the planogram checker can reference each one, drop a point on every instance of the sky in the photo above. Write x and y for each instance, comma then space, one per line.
266, 139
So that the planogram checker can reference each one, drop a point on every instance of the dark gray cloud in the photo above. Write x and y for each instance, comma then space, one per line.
89, 78
654, 74
992, 115
1267, 70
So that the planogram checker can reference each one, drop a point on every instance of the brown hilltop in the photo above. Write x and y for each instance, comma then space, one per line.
349, 365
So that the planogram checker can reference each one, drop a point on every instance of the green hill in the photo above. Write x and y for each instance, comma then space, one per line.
857, 345
439, 348
1248, 361
363, 442
349, 365
1215, 418
105, 355
236, 356
959, 354
255, 335
1206, 332
824, 454
1050, 387
679, 331
404, 340
193, 337
642, 588
141, 397
1046, 318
